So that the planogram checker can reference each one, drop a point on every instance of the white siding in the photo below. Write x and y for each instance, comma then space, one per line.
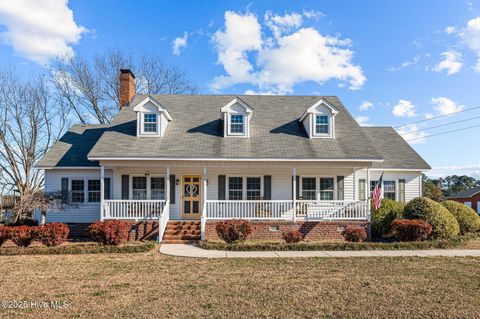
83, 213
412, 181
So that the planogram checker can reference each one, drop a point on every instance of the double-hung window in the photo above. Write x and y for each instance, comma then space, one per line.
326, 188
139, 187
78, 191
321, 124
235, 188
253, 188
237, 124
94, 191
157, 188
389, 190
309, 188
150, 123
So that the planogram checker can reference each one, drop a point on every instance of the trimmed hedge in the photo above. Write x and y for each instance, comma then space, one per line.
294, 236
355, 234
22, 235
340, 246
411, 229
53, 234
112, 232
76, 249
467, 218
383, 217
4, 234
443, 222
232, 231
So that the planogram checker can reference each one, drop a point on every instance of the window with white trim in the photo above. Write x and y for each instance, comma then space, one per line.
157, 188
150, 122
139, 187
309, 188
321, 124
78, 191
237, 124
389, 190
235, 188
326, 188
254, 188
94, 191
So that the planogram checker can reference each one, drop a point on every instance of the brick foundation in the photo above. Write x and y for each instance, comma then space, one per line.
139, 231
272, 230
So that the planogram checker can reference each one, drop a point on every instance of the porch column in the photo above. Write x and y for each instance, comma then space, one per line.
203, 220
369, 229
167, 184
294, 192
102, 192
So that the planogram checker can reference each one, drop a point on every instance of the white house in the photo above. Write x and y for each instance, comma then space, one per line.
279, 161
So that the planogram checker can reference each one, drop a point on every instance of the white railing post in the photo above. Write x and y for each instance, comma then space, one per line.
294, 191
203, 219
102, 192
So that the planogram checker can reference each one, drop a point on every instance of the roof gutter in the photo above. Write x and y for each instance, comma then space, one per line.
93, 158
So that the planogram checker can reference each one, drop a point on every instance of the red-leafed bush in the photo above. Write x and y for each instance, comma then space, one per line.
294, 236
52, 234
411, 229
355, 234
112, 232
22, 235
4, 234
233, 231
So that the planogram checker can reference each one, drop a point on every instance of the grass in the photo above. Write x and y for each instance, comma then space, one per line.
151, 285
254, 245
77, 248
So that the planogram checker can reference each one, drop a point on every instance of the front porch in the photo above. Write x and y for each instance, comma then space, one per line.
189, 194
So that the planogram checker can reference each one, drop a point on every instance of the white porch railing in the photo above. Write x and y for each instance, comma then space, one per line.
133, 209
283, 209
163, 221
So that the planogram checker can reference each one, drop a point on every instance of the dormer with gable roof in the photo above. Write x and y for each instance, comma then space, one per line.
236, 117
152, 118
319, 120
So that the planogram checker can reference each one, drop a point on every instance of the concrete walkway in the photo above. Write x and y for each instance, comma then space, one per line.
182, 250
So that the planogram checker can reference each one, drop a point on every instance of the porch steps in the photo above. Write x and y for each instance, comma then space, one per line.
182, 232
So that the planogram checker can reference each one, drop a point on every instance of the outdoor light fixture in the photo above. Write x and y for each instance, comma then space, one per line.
177, 181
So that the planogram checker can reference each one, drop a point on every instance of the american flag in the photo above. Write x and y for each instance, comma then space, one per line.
377, 193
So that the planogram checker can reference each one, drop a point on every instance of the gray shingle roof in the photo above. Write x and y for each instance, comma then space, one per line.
466, 193
392, 147
275, 132
196, 132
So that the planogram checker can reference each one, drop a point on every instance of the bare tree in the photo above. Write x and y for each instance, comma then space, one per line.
30, 123
91, 89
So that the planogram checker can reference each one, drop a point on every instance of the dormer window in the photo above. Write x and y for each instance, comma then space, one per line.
150, 123
237, 124
236, 117
321, 124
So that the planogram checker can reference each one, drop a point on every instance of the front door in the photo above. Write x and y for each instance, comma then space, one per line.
191, 198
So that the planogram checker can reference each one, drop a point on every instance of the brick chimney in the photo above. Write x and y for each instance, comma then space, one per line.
127, 87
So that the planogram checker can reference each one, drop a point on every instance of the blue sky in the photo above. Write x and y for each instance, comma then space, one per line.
404, 61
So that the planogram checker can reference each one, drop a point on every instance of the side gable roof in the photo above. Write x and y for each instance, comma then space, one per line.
398, 154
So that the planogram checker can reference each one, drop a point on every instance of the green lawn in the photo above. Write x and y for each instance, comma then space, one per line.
152, 285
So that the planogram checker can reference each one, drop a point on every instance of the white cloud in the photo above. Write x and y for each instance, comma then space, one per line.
313, 14
450, 30
179, 43
442, 171
281, 24
452, 62
39, 30
404, 108
411, 134
445, 106
363, 120
470, 36
294, 55
365, 105
405, 64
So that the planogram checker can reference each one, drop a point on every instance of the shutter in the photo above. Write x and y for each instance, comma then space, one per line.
340, 187
125, 186
267, 187
401, 190
172, 189
106, 188
64, 190
361, 189
221, 187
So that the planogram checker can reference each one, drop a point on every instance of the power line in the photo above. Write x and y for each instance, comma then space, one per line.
439, 116
442, 133
441, 125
